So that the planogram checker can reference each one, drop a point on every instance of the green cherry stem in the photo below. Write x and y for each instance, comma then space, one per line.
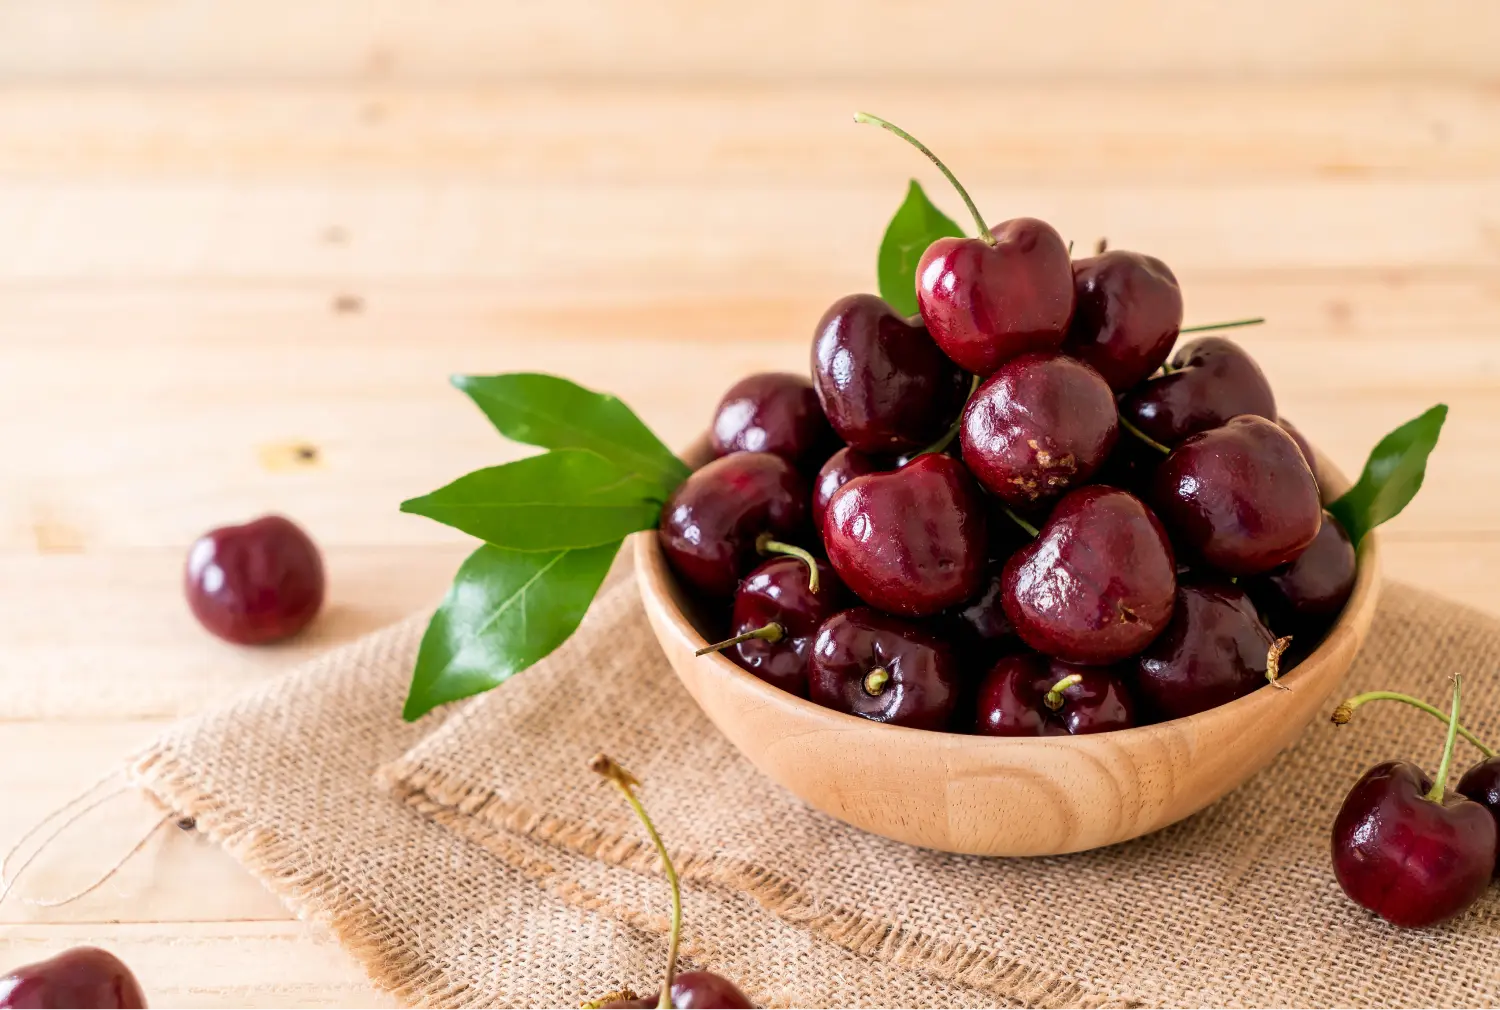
1138, 433
984, 229
1030, 529
626, 783
768, 544
1345, 712
772, 633
941, 445
876, 680
1440, 781
1234, 324
1053, 699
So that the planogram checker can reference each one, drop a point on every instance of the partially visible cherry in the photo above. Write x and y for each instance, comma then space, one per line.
1031, 695
979, 625
254, 583
911, 541
710, 525
776, 616
80, 977
774, 412
884, 385
1209, 380
1096, 585
842, 467
1407, 848
1239, 496
1215, 650
1306, 593
1038, 426
1481, 784
1127, 314
1306, 447
695, 989
882, 668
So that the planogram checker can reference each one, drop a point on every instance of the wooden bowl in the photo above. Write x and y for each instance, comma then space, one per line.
1000, 796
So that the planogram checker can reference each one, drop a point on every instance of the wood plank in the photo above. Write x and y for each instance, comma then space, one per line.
772, 40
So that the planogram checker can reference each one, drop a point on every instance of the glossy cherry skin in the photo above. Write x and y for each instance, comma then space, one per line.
1412, 861
693, 989
80, 977
986, 304
777, 592
922, 682
1481, 784
1310, 591
254, 583
710, 524
911, 541
842, 467
1215, 650
1305, 446
1239, 497
1012, 699
1038, 426
1096, 585
884, 385
773, 412
1211, 380
1126, 317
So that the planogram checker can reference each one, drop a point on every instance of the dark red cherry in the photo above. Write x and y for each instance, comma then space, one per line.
1210, 380
773, 412
1041, 424
1481, 784
1305, 446
842, 467
884, 385
776, 603
984, 304
1215, 650
710, 525
1308, 592
884, 668
80, 977
1411, 860
1017, 698
911, 541
1126, 317
1096, 584
1240, 497
254, 583
692, 989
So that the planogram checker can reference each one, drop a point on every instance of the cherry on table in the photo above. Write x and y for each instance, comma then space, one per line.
1305, 594
254, 583
1030, 695
81, 977
842, 467
713, 524
1240, 497
911, 541
1126, 317
1039, 425
774, 412
884, 385
885, 669
1209, 380
776, 615
1097, 583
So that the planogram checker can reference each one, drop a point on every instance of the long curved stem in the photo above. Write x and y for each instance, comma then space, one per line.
1440, 781
984, 229
1345, 712
767, 544
771, 632
1138, 433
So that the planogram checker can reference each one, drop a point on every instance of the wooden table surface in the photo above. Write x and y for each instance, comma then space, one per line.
231, 230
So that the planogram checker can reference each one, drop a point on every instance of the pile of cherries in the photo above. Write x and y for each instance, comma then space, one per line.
1016, 513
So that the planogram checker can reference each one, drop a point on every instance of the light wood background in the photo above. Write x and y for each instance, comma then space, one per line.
229, 230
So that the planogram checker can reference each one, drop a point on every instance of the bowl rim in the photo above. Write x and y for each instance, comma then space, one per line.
656, 579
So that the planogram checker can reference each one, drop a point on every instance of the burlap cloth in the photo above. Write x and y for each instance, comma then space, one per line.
483, 865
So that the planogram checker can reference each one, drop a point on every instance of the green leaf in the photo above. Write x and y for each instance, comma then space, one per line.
505, 610
566, 498
554, 413
1392, 475
916, 226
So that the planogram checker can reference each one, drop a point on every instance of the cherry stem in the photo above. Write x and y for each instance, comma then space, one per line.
1030, 529
1101, 247
1138, 433
1053, 699
1440, 781
984, 229
876, 680
1273, 661
766, 543
1233, 324
626, 783
941, 445
1345, 712
772, 633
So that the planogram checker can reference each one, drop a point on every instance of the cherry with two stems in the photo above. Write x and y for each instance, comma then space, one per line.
681, 990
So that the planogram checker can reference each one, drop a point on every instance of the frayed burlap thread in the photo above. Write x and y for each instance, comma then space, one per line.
1235, 906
